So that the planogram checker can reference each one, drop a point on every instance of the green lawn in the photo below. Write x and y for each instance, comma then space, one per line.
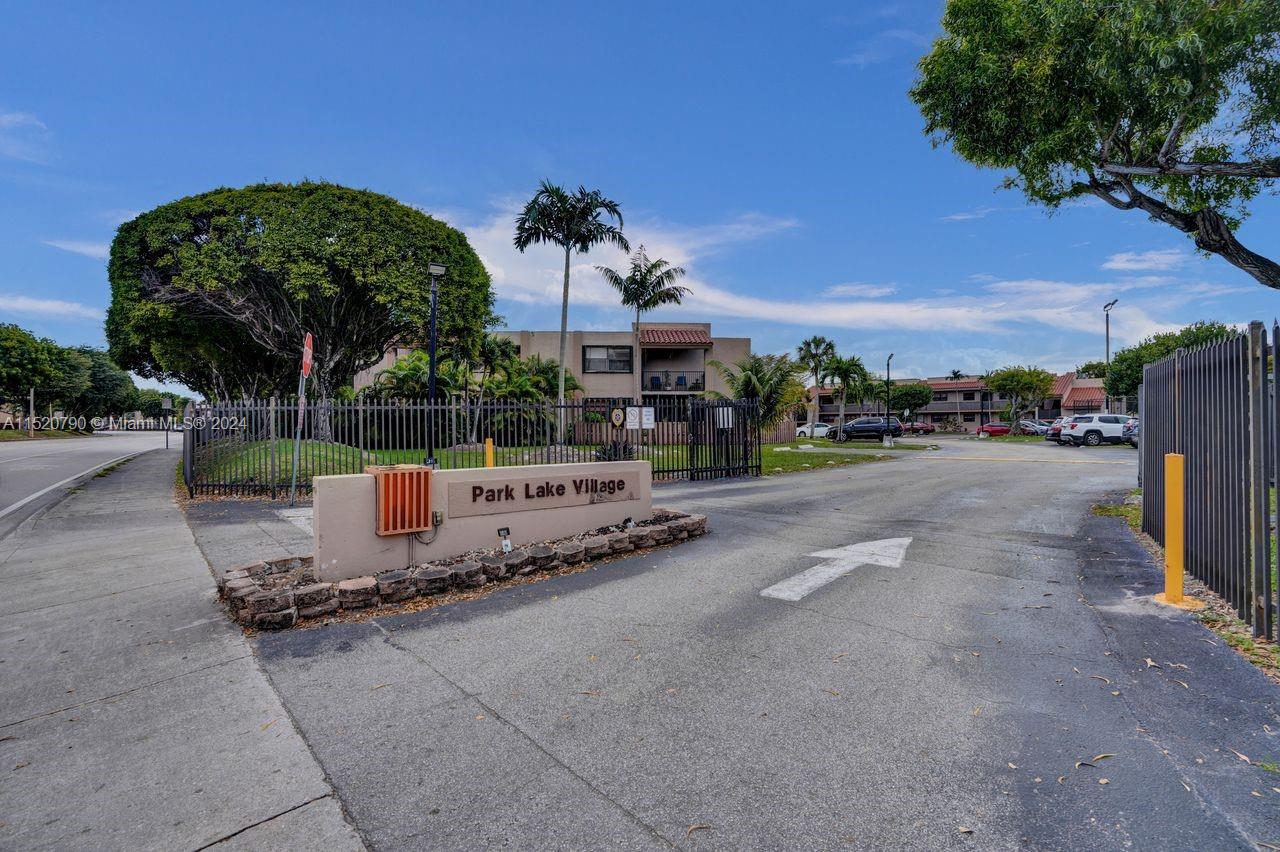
253, 462
21, 434
773, 462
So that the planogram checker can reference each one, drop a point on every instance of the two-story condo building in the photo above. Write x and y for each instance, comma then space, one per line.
656, 362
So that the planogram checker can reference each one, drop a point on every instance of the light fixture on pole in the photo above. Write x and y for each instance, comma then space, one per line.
435, 270
1106, 313
888, 400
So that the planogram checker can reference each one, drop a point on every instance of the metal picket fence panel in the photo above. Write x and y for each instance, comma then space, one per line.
246, 447
1217, 405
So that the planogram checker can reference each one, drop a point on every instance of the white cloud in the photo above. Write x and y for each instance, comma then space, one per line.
882, 46
866, 291
966, 215
55, 308
97, 251
982, 304
1161, 260
23, 137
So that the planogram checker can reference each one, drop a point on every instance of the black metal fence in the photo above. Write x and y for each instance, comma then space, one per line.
247, 447
1217, 406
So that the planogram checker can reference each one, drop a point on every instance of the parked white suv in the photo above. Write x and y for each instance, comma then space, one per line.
1094, 429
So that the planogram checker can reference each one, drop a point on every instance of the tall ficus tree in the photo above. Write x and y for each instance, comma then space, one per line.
1024, 388
217, 290
646, 285
813, 354
576, 222
1170, 107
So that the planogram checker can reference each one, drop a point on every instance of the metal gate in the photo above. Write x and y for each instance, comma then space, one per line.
724, 438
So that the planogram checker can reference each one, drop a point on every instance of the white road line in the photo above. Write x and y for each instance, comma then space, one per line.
888, 552
8, 510
32, 456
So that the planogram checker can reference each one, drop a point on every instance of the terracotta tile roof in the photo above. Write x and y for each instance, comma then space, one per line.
1062, 384
674, 337
1084, 396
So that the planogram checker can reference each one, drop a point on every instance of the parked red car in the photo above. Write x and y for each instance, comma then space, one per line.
993, 429
919, 427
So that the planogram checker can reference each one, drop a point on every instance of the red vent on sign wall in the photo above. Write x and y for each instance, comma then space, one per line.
404, 498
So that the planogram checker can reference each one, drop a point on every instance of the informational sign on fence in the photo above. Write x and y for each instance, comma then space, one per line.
646, 417
618, 417
633, 417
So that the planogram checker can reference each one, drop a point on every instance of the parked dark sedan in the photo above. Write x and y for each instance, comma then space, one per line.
871, 428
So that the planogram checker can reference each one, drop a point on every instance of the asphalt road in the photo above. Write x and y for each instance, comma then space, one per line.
36, 473
943, 702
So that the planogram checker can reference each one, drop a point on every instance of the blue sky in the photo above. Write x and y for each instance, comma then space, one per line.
770, 148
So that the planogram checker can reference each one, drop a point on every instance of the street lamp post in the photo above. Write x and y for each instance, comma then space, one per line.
1106, 313
888, 400
435, 270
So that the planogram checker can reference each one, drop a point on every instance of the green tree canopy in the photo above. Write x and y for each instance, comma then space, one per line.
26, 362
217, 290
909, 396
1092, 370
1125, 374
1024, 388
109, 391
1165, 106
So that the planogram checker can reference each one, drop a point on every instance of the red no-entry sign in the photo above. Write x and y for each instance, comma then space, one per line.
306, 356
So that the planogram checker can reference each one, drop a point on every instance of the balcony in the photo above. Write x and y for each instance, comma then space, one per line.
673, 381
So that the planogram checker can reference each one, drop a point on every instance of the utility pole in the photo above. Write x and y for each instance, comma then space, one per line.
1106, 313
888, 400
435, 270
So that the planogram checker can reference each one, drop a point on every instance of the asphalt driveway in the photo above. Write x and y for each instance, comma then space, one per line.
941, 702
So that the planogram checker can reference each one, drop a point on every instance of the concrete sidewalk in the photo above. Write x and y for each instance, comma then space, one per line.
132, 713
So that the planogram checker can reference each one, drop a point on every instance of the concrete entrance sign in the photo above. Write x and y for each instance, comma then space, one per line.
534, 502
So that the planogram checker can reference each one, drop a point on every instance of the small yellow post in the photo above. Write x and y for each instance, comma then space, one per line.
1175, 533
488, 452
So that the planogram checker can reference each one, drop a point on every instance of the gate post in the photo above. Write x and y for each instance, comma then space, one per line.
1259, 486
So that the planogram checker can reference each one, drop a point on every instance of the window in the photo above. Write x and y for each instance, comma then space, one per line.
1085, 419
968, 418
1111, 418
968, 397
940, 396
606, 359
938, 418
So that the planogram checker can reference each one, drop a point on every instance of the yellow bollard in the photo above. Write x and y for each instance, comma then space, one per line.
488, 452
1175, 533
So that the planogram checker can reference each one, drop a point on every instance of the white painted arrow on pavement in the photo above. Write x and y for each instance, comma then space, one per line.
888, 552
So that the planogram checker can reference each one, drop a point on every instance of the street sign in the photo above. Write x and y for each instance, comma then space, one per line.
306, 355
617, 417
633, 417
646, 417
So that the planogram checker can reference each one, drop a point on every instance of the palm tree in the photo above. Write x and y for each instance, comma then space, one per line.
649, 284
407, 378
494, 351
813, 354
575, 222
774, 380
956, 375
850, 378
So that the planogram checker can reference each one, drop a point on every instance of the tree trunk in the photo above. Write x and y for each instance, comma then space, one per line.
817, 395
564, 343
1215, 236
840, 422
638, 366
